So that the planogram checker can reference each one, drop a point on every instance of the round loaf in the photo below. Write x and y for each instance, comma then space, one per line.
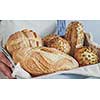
22, 39
86, 56
55, 41
75, 35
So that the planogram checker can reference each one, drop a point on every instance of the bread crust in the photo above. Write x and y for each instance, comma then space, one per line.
55, 41
86, 56
21, 39
75, 35
44, 60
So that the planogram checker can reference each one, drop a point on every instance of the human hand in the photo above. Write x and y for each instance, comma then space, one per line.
5, 66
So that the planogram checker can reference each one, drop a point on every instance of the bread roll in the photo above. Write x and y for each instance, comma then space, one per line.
90, 43
43, 60
86, 56
55, 41
21, 39
75, 35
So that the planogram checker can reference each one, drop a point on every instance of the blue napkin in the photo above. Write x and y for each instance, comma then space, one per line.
61, 27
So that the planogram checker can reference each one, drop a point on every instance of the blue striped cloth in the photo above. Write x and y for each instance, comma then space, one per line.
61, 27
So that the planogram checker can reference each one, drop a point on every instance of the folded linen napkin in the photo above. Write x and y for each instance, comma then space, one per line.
88, 71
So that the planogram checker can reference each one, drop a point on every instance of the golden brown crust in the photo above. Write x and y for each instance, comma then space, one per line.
21, 39
48, 38
90, 43
75, 35
43, 60
86, 56
55, 41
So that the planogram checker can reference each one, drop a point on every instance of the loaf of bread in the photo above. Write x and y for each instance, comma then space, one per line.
55, 41
86, 56
90, 43
75, 35
43, 60
21, 39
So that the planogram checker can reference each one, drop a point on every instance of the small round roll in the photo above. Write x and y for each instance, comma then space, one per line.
86, 56
55, 41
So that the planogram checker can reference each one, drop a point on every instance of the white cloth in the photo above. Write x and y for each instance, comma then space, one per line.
88, 71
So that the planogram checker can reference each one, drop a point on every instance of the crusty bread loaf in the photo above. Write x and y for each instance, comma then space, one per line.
21, 39
75, 35
43, 60
90, 43
55, 41
86, 56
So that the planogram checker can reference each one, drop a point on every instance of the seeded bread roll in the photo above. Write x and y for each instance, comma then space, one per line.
55, 41
86, 56
21, 39
75, 35
89, 42
48, 38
